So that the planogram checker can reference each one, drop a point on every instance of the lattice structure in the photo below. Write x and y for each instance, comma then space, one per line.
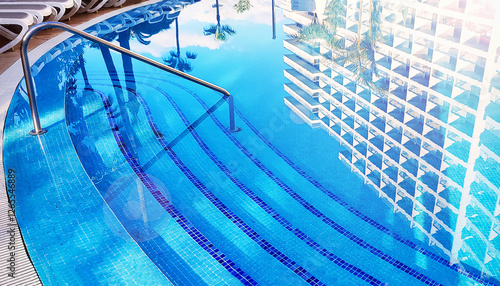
425, 133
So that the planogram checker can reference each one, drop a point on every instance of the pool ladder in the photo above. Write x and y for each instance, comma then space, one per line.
30, 86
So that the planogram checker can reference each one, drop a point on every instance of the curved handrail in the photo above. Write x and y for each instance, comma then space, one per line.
30, 86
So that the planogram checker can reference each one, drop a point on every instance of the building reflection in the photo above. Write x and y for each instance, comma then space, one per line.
425, 131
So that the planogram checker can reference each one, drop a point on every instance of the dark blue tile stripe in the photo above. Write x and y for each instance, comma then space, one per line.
194, 233
351, 209
268, 247
357, 213
311, 208
287, 225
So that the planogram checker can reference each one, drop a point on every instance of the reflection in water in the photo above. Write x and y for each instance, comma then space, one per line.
175, 59
123, 108
220, 32
412, 93
77, 127
274, 19
124, 102
242, 6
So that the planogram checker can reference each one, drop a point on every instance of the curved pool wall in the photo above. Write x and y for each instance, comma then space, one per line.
9, 81
24, 271
255, 206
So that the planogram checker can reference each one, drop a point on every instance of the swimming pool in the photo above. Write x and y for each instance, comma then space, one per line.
126, 197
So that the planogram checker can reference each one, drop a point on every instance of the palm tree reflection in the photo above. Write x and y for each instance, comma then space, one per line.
221, 32
77, 122
143, 31
125, 102
362, 52
175, 59
359, 56
242, 6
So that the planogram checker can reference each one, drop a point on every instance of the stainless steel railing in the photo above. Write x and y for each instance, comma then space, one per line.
30, 86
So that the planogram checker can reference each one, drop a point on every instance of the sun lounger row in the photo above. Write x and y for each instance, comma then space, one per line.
17, 16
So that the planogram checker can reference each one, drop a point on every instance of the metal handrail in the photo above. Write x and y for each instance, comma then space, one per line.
30, 86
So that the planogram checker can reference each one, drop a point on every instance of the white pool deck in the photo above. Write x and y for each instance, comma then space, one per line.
11, 244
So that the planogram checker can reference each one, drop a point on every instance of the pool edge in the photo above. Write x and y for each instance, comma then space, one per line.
9, 81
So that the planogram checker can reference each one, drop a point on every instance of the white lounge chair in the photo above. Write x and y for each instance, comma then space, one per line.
110, 3
66, 8
119, 3
90, 6
13, 26
43, 12
73, 10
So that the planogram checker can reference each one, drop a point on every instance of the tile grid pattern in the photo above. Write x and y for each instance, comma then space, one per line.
272, 250
194, 233
9, 79
357, 213
24, 272
316, 212
280, 219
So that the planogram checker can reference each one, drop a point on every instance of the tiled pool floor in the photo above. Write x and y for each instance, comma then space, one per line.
10, 75
230, 209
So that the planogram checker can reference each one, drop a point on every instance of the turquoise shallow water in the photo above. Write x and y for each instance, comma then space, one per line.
272, 204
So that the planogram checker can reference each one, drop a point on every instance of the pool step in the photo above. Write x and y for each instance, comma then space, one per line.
165, 239
275, 174
436, 275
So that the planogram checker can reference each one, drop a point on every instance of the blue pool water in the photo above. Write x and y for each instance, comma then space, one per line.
118, 192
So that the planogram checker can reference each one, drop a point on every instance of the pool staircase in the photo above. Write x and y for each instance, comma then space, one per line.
153, 187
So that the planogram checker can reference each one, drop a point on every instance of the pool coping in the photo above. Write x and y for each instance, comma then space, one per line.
9, 229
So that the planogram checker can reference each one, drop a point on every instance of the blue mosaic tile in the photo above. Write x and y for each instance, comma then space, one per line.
311, 208
229, 214
172, 211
